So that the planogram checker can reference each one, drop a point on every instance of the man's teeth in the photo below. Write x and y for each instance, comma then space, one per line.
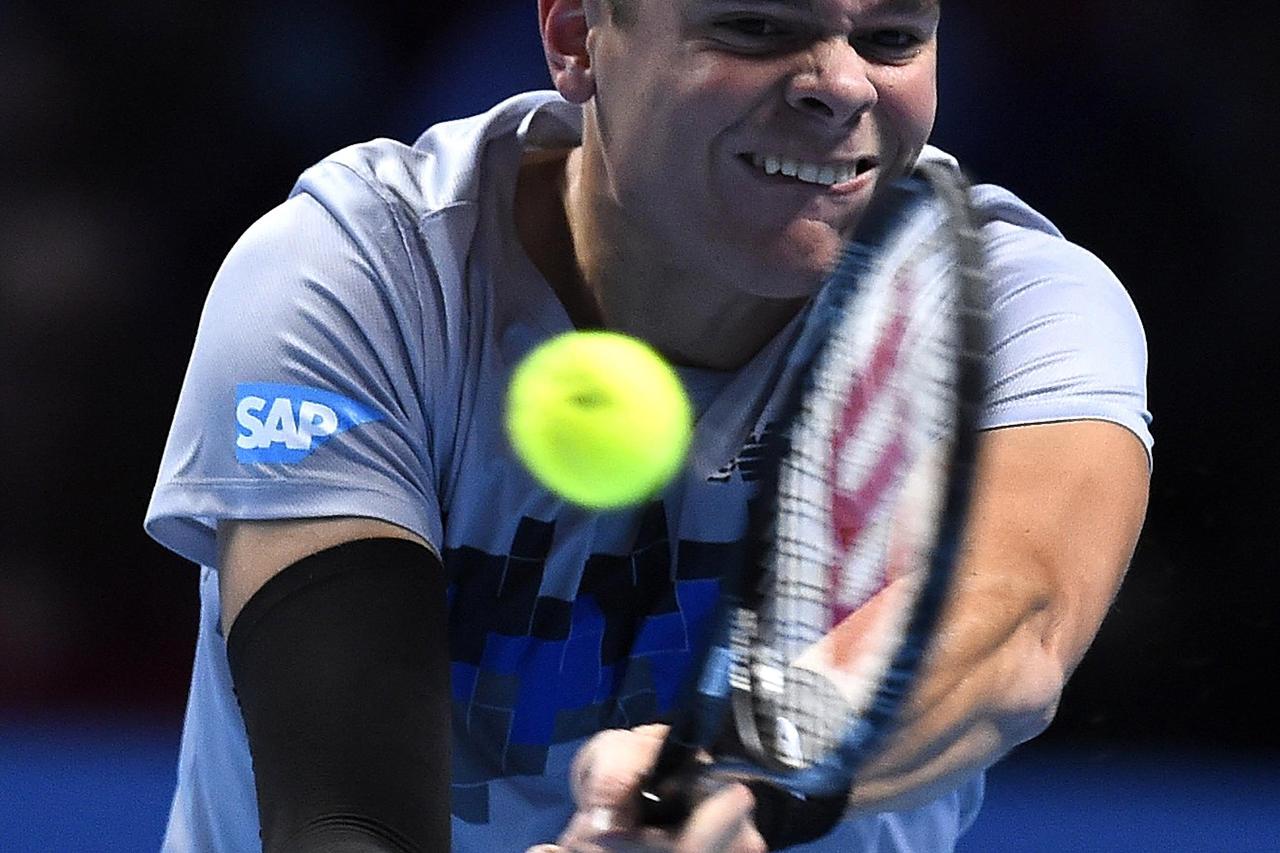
810, 173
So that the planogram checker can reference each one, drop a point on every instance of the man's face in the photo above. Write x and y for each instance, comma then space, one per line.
747, 136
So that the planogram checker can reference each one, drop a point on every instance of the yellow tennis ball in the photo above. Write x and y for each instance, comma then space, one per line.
599, 418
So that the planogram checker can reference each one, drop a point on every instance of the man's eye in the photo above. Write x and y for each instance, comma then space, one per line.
753, 27
894, 39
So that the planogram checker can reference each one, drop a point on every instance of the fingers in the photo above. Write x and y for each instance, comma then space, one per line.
720, 824
608, 768
605, 776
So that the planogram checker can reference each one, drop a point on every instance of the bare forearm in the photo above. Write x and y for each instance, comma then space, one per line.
1055, 519
989, 686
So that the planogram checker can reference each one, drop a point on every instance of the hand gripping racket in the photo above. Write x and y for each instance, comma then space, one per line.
818, 639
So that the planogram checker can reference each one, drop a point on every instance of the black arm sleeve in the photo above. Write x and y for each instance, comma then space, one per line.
341, 670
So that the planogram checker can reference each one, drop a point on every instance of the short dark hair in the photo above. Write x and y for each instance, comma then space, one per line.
623, 12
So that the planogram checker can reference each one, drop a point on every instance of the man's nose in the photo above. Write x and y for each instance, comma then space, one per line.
835, 88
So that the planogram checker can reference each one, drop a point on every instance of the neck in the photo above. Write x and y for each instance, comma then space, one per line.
610, 272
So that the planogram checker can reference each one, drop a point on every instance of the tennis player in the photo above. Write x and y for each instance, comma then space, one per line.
404, 641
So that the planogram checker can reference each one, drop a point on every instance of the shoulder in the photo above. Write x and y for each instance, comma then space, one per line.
1067, 340
1037, 271
441, 170
1022, 244
412, 211
1018, 237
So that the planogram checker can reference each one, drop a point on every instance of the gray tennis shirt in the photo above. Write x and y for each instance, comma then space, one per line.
351, 361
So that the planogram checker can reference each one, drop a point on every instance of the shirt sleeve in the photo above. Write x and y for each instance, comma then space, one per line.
1067, 340
318, 353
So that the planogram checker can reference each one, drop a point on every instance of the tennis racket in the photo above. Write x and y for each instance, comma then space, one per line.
818, 639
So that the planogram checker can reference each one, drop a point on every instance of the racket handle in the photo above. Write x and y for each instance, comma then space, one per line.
785, 818
782, 817
667, 799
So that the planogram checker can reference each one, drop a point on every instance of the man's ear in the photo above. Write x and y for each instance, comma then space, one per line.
564, 27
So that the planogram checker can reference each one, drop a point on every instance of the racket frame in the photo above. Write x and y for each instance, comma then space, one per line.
681, 775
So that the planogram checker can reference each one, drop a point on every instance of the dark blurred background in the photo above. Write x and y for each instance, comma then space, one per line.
138, 139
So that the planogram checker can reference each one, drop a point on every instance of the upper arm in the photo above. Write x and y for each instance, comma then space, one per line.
1056, 515
251, 552
1062, 487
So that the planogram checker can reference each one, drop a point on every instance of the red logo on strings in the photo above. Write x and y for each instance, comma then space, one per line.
853, 503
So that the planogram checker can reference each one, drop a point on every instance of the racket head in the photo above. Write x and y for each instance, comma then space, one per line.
818, 640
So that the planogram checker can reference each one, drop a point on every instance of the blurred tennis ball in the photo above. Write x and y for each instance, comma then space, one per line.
599, 418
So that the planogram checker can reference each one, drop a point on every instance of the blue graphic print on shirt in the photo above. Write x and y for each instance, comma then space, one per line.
530, 671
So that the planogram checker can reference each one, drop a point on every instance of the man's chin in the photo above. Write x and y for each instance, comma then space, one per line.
805, 259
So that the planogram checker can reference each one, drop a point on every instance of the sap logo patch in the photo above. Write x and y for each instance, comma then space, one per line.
285, 423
